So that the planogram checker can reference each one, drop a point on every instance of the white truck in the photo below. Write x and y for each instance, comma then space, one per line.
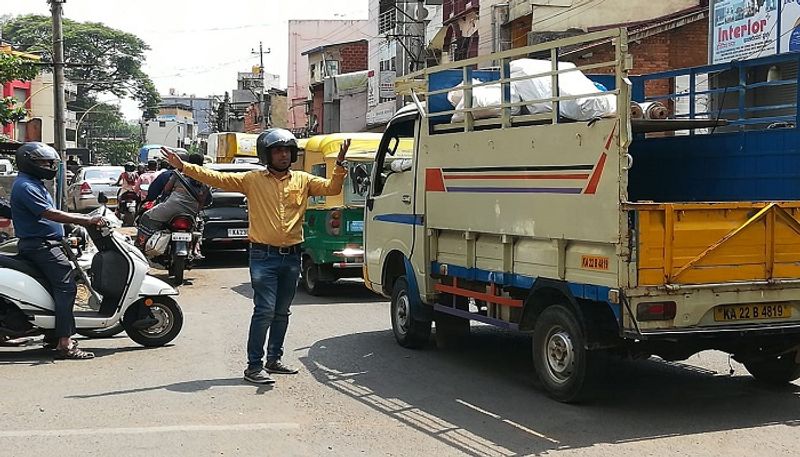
530, 222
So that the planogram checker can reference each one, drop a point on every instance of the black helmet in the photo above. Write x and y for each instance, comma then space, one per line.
130, 167
30, 159
274, 138
152, 164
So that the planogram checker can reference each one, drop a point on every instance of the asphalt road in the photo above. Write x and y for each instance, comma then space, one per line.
359, 393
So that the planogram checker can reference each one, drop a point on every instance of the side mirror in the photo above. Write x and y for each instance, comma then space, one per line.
360, 179
102, 199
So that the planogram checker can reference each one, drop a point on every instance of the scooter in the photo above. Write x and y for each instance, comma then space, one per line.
120, 290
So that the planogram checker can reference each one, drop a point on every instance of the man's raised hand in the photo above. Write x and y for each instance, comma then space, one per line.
172, 158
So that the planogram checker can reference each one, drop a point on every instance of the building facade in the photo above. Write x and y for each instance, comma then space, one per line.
174, 127
305, 35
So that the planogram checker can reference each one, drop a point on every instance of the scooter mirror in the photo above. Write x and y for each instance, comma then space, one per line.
102, 198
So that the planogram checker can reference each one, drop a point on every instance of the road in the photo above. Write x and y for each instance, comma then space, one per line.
361, 394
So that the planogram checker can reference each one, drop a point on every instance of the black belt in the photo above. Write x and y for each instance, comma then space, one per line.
282, 250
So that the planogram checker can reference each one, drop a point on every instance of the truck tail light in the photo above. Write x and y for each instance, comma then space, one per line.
334, 222
656, 311
85, 188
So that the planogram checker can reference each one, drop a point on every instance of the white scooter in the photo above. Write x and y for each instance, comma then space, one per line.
120, 291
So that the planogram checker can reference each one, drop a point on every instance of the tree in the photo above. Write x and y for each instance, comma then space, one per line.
13, 68
115, 57
103, 130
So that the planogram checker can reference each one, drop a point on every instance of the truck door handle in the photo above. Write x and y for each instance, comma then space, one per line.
407, 199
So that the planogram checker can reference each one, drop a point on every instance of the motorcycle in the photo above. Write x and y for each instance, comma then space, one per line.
119, 289
174, 249
127, 206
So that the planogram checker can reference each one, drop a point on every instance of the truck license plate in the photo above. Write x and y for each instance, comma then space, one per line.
237, 233
181, 236
728, 313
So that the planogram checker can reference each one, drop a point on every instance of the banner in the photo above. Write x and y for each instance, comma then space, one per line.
790, 26
744, 29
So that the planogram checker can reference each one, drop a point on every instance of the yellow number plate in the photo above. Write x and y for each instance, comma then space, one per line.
730, 313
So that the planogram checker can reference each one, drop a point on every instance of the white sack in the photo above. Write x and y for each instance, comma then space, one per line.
569, 84
157, 244
486, 97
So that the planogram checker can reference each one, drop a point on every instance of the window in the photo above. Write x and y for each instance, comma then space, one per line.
162, 124
321, 170
397, 130
331, 67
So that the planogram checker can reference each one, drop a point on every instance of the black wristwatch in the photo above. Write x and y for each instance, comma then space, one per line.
341, 163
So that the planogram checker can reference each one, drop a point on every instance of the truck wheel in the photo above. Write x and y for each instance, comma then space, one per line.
408, 331
310, 277
564, 367
777, 370
451, 331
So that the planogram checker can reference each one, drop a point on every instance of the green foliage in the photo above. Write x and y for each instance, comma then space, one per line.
117, 57
14, 68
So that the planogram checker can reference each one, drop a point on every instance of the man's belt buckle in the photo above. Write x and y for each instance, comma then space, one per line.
285, 250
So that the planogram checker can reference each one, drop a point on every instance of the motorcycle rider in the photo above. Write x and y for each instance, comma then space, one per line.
37, 224
127, 179
146, 178
180, 200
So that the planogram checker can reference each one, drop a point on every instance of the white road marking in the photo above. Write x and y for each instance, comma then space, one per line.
146, 430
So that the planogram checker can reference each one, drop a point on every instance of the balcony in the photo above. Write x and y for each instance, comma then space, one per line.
387, 22
454, 9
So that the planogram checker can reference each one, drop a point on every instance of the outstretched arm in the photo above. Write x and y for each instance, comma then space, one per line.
226, 181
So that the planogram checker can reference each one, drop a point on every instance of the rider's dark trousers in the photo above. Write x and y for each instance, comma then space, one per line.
57, 270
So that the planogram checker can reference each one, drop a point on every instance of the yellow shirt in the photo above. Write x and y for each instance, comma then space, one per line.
276, 205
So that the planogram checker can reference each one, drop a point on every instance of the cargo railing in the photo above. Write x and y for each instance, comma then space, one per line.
747, 93
417, 85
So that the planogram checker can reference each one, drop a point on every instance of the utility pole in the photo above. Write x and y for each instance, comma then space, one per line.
263, 100
60, 103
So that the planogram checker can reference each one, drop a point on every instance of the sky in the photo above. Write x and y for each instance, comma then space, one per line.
196, 48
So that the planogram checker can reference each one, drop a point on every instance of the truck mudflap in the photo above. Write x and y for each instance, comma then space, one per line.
716, 243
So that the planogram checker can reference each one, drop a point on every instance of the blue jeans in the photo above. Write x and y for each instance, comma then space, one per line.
273, 277
57, 269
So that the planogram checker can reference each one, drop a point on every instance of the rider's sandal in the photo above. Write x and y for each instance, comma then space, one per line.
73, 353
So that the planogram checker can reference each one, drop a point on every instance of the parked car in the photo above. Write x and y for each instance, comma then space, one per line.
89, 182
226, 219
6, 168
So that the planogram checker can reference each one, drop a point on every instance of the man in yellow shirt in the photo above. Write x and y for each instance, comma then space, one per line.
277, 201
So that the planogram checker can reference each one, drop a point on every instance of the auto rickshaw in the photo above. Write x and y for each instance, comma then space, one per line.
334, 226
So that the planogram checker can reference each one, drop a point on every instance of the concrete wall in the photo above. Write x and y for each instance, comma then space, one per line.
306, 35
352, 112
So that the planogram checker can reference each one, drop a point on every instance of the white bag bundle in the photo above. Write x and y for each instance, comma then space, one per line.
488, 98
570, 83
157, 244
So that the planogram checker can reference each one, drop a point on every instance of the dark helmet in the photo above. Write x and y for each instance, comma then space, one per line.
152, 164
31, 158
195, 159
272, 138
130, 167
